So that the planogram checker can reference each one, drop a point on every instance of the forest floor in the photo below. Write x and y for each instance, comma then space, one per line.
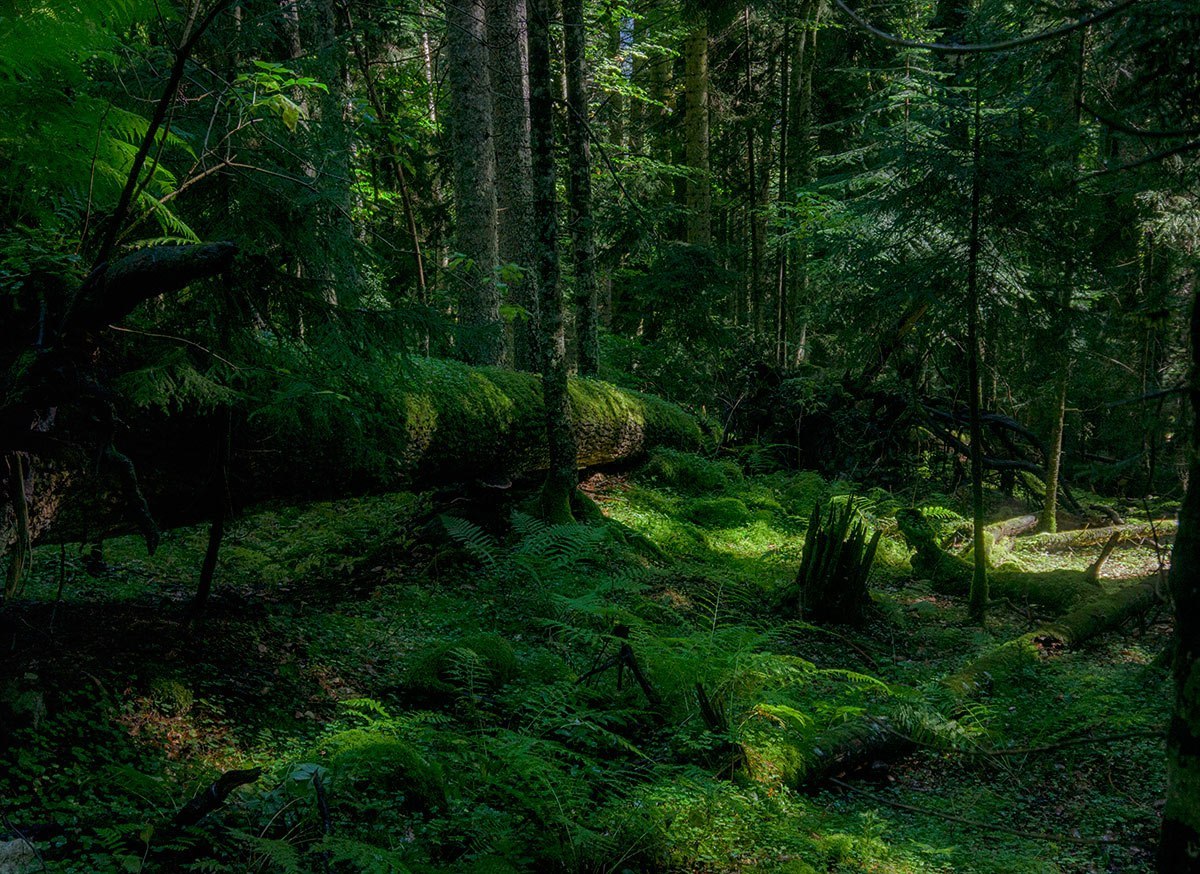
410, 682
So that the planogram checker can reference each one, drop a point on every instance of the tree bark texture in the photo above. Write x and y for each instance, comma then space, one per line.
1179, 849
509, 53
587, 335
696, 130
560, 439
473, 160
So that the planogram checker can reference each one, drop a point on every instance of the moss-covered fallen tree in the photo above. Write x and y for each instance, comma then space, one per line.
845, 747
1162, 530
430, 421
1057, 590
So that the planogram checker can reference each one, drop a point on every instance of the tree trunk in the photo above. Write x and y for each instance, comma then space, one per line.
472, 156
752, 187
977, 606
695, 123
447, 422
508, 50
1179, 850
560, 482
587, 334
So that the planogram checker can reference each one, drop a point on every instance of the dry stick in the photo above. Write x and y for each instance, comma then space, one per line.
974, 823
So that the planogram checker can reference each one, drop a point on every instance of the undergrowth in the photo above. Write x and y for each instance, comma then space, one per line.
428, 692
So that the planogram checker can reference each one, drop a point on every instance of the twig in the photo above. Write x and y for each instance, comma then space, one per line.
22, 837
979, 48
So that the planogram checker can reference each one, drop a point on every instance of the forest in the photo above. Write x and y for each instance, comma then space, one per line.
600, 436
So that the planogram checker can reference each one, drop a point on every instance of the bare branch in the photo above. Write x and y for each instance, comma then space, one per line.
980, 48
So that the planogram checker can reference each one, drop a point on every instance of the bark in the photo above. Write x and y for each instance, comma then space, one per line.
1179, 849
113, 290
560, 440
845, 747
1162, 529
473, 160
1048, 520
447, 422
696, 131
508, 50
752, 186
1007, 528
583, 243
979, 579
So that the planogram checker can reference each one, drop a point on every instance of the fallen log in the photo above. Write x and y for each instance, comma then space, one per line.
810, 762
1163, 530
447, 422
1007, 528
949, 574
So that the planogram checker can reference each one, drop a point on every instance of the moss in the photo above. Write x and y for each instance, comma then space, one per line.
1058, 590
690, 473
171, 697
719, 513
475, 662
805, 491
370, 762
995, 666
437, 420
487, 865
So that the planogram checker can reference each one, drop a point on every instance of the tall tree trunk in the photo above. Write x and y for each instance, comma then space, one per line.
1048, 518
695, 123
977, 606
752, 186
560, 482
1063, 358
800, 166
781, 265
616, 109
471, 153
507, 34
1179, 849
587, 334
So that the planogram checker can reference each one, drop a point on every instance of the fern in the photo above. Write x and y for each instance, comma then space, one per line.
480, 545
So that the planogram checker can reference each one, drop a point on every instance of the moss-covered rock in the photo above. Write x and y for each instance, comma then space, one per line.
478, 662
369, 762
719, 513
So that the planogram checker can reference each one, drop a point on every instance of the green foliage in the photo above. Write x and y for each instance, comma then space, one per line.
689, 473
468, 666
371, 766
718, 513
831, 584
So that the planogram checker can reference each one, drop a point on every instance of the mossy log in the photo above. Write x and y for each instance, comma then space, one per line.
869, 739
1162, 529
1007, 528
1057, 590
447, 422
